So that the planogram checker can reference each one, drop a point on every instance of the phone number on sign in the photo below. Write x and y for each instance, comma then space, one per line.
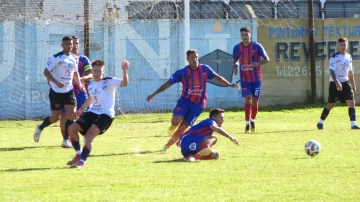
290, 71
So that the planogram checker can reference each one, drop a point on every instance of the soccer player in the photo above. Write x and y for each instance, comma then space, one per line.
193, 97
250, 55
341, 72
60, 71
196, 143
98, 118
84, 69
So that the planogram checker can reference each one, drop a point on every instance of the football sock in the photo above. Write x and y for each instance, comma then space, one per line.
352, 115
85, 154
247, 123
254, 110
76, 145
324, 114
67, 124
45, 123
247, 111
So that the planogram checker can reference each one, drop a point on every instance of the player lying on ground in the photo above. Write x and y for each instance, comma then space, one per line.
98, 118
193, 97
196, 143
341, 72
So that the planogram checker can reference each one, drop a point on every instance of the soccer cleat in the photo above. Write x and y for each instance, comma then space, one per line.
79, 164
66, 144
320, 126
75, 160
252, 126
202, 153
165, 147
355, 127
247, 129
37, 134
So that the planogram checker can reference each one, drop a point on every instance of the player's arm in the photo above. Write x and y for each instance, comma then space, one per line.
351, 76
163, 87
77, 79
223, 81
219, 130
83, 107
333, 74
87, 69
51, 64
264, 55
125, 67
236, 59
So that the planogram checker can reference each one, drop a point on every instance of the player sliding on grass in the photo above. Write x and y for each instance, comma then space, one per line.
193, 97
98, 118
196, 143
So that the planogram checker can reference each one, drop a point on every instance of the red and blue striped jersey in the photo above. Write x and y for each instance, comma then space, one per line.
84, 68
246, 55
202, 128
194, 83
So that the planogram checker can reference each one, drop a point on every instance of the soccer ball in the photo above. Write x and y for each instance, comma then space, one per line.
312, 148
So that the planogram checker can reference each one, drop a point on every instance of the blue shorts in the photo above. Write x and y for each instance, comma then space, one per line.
251, 88
189, 111
80, 99
190, 144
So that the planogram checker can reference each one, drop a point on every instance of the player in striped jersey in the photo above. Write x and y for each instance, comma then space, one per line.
196, 143
249, 55
84, 69
193, 97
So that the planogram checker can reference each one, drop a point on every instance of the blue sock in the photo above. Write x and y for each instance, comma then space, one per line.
76, 145
84, 154
352, 114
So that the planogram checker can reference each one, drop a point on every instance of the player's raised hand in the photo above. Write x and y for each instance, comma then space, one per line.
60, 84
148, 98
125, 65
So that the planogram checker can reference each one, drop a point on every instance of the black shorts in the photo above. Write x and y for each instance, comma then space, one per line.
342, 96
58, 100
102, 121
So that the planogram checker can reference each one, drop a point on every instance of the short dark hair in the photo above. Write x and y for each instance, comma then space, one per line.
67, 38
342, 39
245, 29
215, 112
98, 63
74, 37
190, 52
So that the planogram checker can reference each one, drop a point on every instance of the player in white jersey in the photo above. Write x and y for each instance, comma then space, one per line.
98, 118
341, 73
61, 70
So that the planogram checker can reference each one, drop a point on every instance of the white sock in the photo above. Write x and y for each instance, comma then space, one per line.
252, 120
321, 121
78, 152
353, 123
247, 123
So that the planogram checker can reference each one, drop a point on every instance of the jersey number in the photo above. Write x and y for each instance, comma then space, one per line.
95, 100
67, 72
256, 92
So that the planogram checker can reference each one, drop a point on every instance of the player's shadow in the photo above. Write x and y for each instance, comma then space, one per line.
286, 131
126, 153
144, 137
26, 148
29, 169
181, 160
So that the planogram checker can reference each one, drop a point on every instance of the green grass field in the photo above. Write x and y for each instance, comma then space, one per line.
126, 165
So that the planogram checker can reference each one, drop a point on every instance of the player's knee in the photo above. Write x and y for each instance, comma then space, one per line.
54, 119
215, 155
73, 129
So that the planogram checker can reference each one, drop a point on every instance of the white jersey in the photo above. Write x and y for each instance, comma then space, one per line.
342, 65
62, 68
103, 95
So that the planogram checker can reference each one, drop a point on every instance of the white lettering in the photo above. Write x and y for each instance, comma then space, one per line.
297, 71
